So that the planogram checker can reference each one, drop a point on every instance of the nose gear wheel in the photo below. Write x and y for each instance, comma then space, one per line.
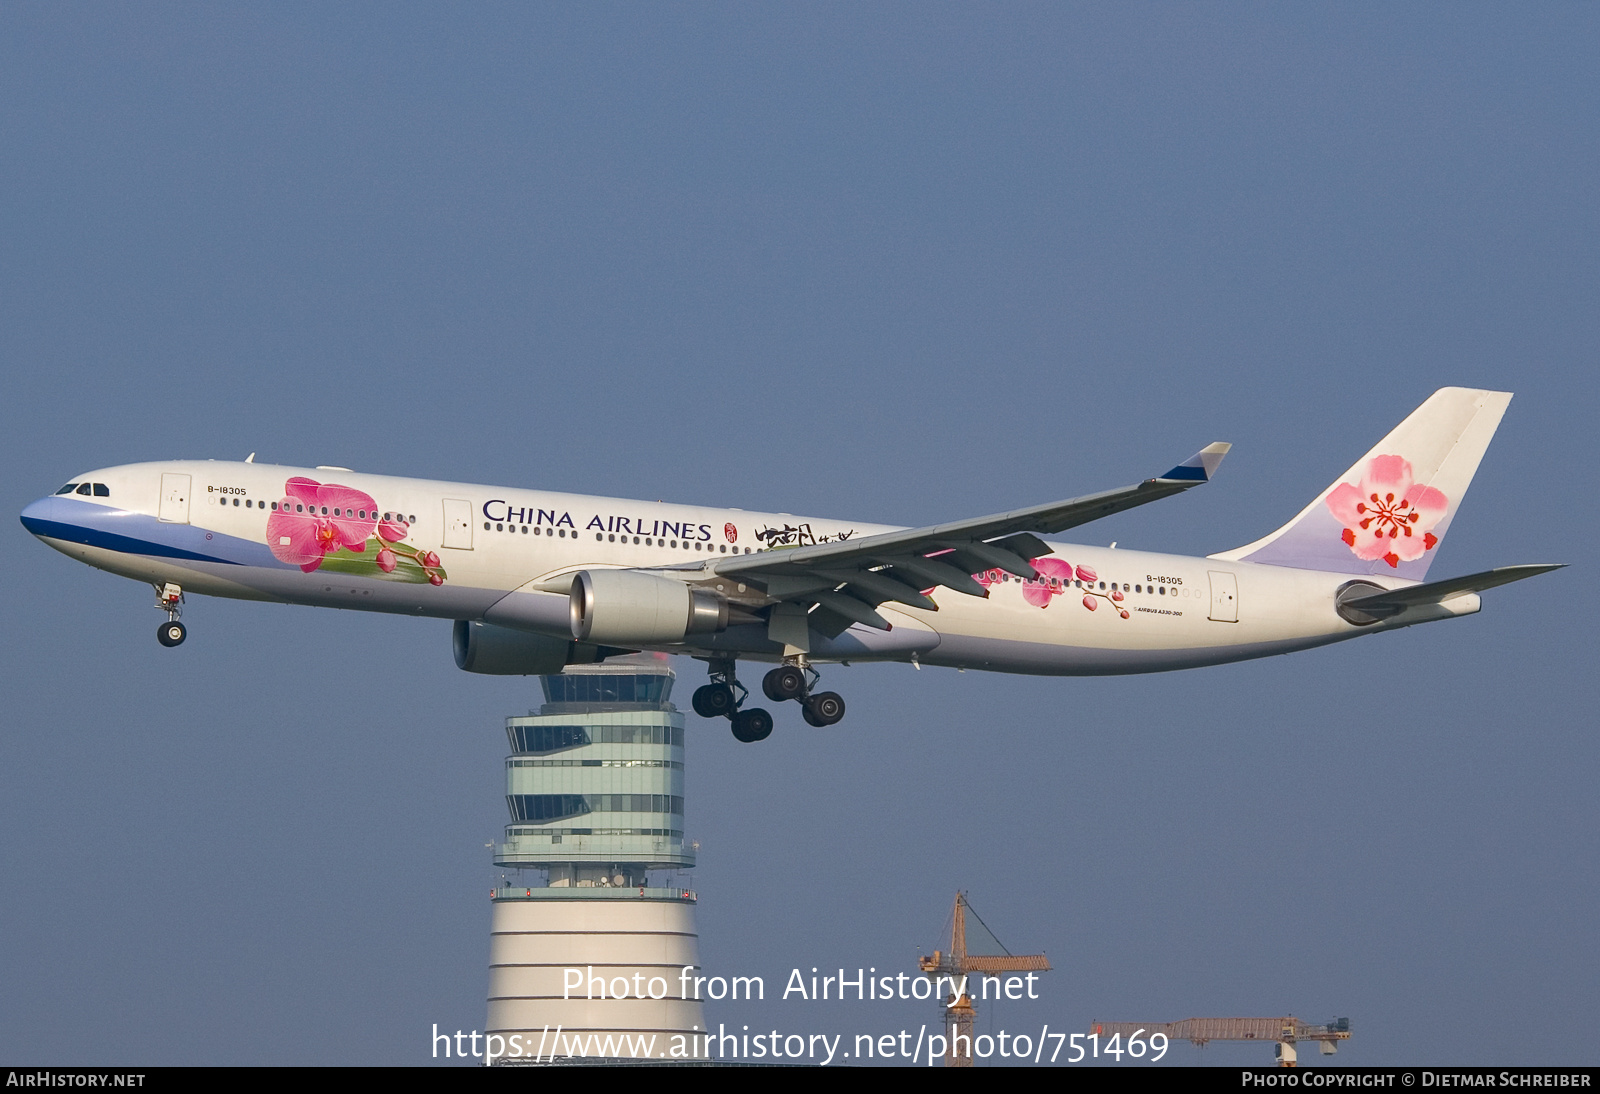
169, 598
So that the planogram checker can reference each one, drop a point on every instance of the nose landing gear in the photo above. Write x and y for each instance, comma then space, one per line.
169, 598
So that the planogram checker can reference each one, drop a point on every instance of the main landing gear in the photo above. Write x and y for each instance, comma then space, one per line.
169, 598
724, 697
794, 681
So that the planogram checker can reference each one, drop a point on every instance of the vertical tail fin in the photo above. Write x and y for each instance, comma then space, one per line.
1388, 513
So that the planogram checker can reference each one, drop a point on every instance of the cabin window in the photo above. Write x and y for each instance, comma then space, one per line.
524, 529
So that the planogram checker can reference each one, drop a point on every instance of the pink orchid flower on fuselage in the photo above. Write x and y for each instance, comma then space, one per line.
1388, 516
316, 519
1055, 576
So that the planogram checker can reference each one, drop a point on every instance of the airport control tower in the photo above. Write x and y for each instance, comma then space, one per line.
595, 789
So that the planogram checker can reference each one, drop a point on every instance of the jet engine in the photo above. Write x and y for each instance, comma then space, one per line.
627, 608
501, 651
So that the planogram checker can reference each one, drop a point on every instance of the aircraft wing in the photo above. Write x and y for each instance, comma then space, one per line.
849, 579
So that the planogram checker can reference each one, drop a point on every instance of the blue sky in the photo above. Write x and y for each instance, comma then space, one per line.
890, 263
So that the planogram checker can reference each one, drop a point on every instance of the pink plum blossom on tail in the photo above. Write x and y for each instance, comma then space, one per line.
1388, 516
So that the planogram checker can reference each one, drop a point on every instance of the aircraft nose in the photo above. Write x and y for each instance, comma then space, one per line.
38, 516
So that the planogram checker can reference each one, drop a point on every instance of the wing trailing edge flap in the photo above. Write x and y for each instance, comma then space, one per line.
850, 610
1393, 602
928, 572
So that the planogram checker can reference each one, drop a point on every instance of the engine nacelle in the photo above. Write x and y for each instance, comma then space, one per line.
627, 608
501, 651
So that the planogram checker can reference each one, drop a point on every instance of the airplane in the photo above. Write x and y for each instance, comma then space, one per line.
535, 580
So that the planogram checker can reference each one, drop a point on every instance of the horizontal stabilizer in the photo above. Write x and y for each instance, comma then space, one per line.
1382, 605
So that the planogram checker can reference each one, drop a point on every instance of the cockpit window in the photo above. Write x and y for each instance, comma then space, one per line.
101, 490
67, 489
83, 488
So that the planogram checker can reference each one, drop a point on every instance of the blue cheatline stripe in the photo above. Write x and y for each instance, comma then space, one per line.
1186, 473
93, 537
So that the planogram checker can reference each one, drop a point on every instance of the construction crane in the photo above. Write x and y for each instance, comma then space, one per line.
961, 962
1285, 1031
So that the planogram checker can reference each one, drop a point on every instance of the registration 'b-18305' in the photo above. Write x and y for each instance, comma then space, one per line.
535, 580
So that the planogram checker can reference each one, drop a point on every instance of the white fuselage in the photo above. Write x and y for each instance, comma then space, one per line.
492, 545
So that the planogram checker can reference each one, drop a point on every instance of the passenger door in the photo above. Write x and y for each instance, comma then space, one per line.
174, 499
458, 524
1224, 597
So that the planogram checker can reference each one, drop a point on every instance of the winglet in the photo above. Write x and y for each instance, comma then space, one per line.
1200, 466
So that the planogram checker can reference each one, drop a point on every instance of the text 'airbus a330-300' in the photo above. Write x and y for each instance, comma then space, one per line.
536, 580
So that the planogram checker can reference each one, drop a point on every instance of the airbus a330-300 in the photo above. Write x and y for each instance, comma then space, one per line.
535, 581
